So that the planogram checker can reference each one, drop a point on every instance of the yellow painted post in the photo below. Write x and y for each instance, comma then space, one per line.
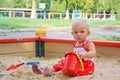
13, 14
40, 33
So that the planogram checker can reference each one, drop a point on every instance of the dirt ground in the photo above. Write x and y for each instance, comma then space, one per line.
107, 67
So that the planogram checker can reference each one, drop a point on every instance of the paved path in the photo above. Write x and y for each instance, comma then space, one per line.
56, 32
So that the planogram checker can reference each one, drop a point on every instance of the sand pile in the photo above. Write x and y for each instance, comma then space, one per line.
107, 68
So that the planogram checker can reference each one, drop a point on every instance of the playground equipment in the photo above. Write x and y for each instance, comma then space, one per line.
26, 13
46, 47
43, 46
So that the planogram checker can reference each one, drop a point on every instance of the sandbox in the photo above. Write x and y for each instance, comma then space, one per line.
49, 51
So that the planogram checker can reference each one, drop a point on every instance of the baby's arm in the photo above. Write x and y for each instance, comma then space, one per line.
91, 51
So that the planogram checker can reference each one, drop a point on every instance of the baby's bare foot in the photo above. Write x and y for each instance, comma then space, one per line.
37, 69
48, 71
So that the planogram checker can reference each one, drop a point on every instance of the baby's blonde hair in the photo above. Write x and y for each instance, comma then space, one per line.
81, 23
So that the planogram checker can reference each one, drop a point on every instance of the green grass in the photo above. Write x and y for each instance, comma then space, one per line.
13, 23
106, 38
99, 23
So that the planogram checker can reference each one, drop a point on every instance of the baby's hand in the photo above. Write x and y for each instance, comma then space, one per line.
82, 55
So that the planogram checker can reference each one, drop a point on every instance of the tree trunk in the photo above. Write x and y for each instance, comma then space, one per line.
67, 11
33, 13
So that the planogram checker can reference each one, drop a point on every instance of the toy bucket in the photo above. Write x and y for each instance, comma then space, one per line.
72, 64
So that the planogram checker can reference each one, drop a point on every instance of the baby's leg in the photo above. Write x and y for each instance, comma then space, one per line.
48, 71
55, 69
88, 68
59, 66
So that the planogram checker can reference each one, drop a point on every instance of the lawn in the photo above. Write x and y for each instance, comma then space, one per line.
13, 23
112, 38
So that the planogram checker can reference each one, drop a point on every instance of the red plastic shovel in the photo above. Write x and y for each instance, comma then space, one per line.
13, 66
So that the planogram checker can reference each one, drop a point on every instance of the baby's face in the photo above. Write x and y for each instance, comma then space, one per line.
80, 33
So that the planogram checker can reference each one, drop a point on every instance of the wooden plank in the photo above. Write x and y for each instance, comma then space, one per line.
58, 47
110, 51
54, 54
20, 47
51, 49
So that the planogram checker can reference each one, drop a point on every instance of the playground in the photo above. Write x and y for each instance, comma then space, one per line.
39, 32
107, 64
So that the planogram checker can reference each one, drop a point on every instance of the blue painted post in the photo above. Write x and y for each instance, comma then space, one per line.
39, 48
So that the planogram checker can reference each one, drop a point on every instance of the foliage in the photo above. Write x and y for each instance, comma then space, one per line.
58, 5
7, 3
28, 4
109, 6
19, 3
84, 5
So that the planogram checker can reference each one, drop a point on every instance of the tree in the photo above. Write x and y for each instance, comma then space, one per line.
28, 4
66, 7
19, 4
6, 3
57, 5
84, 5
94, 6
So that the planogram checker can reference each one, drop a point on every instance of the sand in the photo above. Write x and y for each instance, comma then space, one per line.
107, 68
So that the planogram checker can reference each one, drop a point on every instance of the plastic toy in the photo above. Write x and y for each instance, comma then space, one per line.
31, 63
13, 66
80, 61
72, 64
